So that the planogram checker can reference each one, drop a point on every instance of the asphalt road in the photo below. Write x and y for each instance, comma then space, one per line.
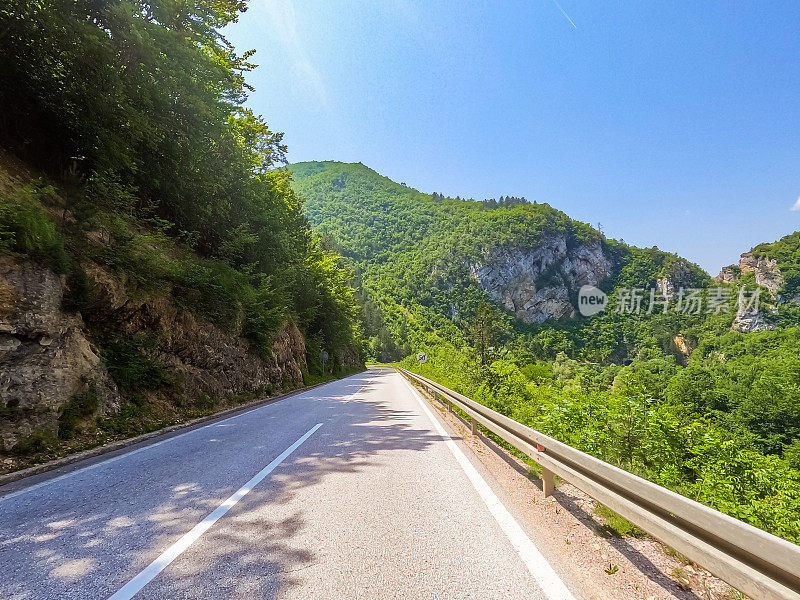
350, 490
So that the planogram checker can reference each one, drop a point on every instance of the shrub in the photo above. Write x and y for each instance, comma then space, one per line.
142, 256
81, 405
131, 368
77, 297
25, 230
211, 290
39, 441
263, 313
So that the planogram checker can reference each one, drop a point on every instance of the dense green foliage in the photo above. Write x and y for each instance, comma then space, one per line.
134, 110
676, 397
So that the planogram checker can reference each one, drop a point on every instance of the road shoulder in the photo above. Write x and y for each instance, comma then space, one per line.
572, 536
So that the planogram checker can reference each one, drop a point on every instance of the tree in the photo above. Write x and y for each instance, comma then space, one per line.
486, 330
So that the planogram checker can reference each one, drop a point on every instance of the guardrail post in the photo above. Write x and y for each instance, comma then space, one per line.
548, 482
474, 427
449, 406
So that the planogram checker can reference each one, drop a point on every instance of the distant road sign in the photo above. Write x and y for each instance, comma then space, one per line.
422, 358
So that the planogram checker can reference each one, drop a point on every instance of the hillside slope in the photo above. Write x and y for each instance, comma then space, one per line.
440, 257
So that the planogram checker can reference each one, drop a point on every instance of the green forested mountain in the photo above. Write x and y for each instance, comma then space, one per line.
414, 250
706, 401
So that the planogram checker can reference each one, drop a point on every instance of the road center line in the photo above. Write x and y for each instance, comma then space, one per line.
539, 568
130, 589
129, 453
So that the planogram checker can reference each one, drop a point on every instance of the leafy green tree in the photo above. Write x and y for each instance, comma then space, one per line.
486, 330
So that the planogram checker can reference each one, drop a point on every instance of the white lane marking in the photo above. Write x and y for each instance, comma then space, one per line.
112, 459
130, 589
538, 566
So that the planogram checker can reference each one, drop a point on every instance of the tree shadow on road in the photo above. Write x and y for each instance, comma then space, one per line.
86, 550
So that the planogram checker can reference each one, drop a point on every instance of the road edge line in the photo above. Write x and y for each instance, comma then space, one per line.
541, 570
118, 445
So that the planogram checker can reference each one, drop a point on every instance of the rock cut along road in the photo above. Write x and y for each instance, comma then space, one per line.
350, 490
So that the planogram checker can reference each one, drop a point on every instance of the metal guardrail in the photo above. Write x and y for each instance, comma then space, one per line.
757, 563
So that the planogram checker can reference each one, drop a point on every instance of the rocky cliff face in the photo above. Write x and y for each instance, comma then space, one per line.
210, 360
47, 355
680, 275
540, 283
764, 269
766, 274
729, 274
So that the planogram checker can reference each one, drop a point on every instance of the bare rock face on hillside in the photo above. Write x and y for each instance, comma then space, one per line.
729, 274
680, 275
209, 360
767, 274
764, 269
47, 355
540, 283
750, 320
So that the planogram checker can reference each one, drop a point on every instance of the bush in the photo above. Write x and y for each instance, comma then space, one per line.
77, 296
39, 441
25, 230
81, 405
142, 256
263, 314
211, 290
130, 367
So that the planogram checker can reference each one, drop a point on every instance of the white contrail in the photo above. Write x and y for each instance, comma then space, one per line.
563, 12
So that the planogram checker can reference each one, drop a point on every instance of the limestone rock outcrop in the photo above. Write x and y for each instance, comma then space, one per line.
764, 269
45, 356
767, 274
540, 283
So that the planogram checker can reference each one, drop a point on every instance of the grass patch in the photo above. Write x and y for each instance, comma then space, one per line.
133, 420
80, 406
678, 556
38, 442
27, 232
681, 578
617, 526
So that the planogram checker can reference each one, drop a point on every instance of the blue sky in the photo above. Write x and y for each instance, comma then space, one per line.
674, 124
